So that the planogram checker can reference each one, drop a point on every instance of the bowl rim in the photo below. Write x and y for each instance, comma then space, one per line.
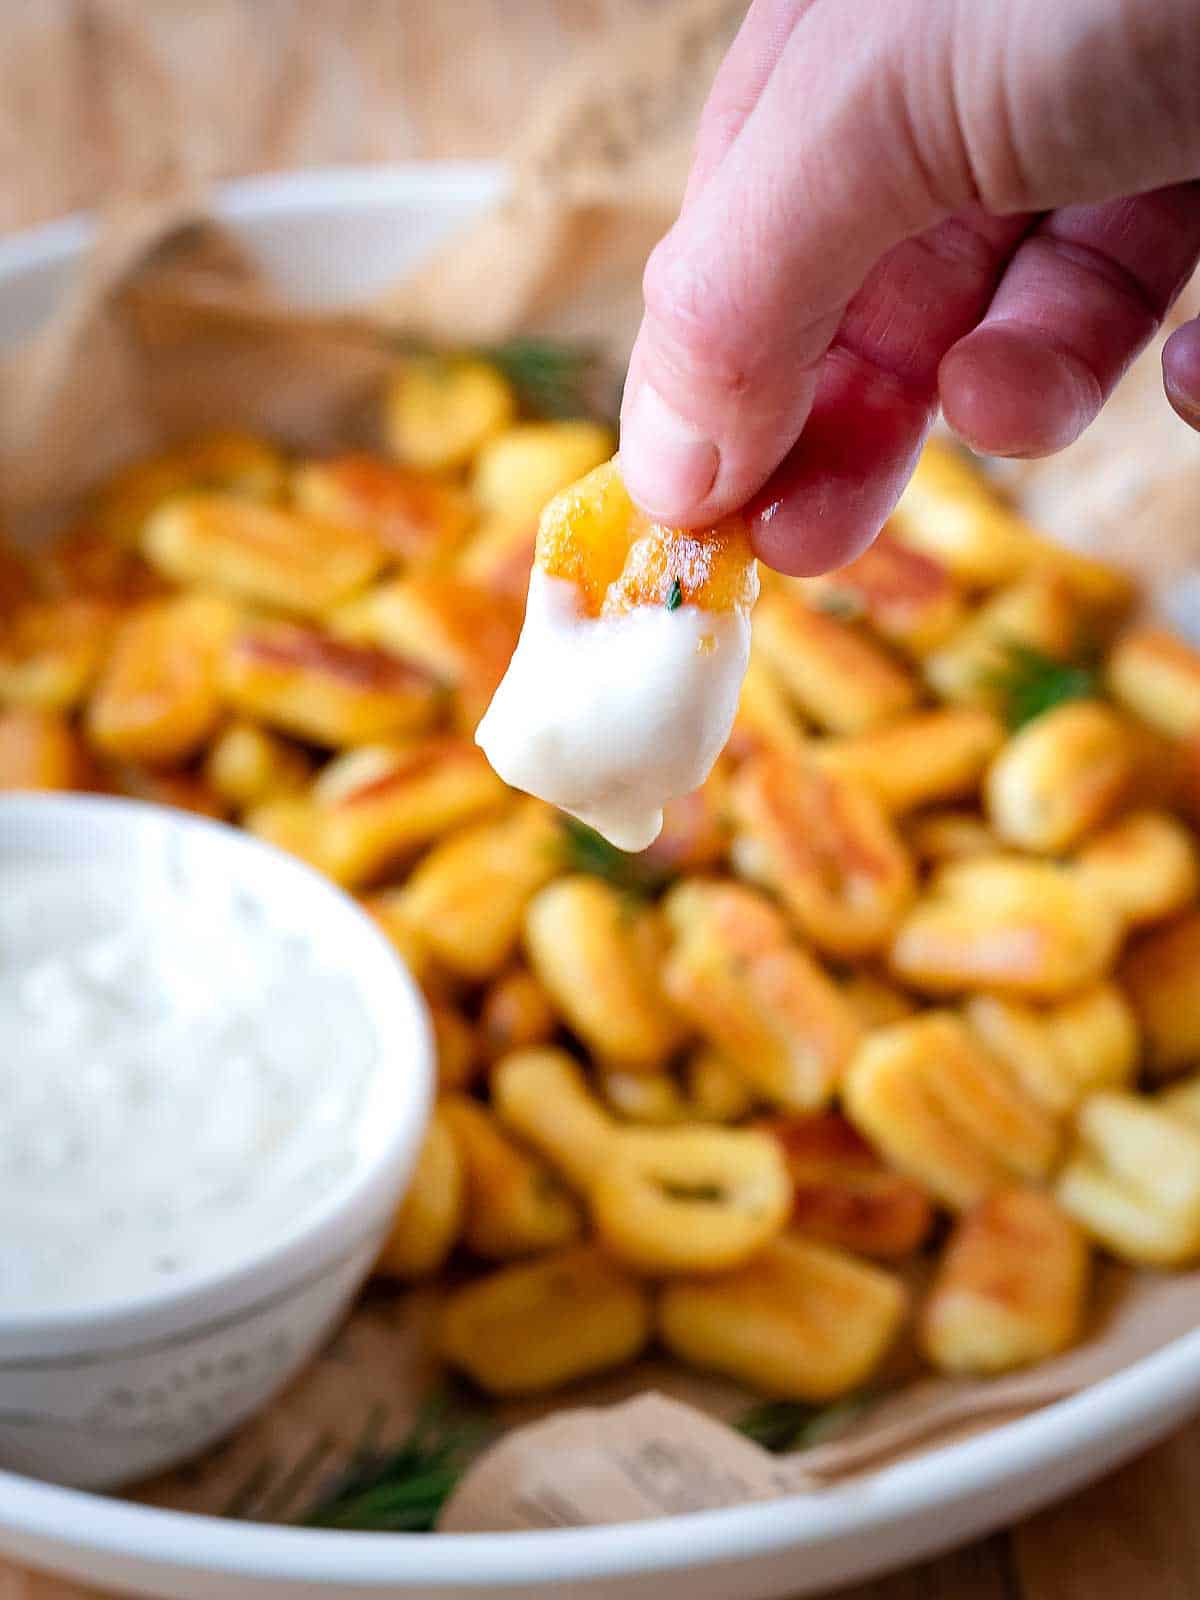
1165, 1384
347, 1216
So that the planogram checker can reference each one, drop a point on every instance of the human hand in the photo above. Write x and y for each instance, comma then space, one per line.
894, 202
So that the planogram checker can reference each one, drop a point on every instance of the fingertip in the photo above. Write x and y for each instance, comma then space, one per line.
667, 464
1181, 372
840, 482
1007, 390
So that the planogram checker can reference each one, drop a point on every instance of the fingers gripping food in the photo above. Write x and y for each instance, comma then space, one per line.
625, 682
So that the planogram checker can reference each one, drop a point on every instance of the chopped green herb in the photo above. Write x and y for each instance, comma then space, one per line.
838, 603
783, 1425
711, 1192
551, 379
403, 1490
1032, 682
585, 850
674, 595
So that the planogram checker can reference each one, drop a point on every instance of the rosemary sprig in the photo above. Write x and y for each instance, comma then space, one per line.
783, 1425
551, 379
585, 850
403, 1490
1031, 682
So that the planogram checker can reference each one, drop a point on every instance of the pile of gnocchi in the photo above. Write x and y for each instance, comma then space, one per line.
912, 980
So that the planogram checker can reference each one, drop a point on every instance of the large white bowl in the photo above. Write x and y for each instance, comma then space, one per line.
96, 1395
327, 236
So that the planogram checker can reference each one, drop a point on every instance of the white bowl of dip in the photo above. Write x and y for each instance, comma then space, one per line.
214, 1074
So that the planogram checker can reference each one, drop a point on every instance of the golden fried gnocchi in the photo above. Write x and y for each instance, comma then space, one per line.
541, 1324
1017, 926
765, 721
1161, 974
377, 806
689, 1199
248, 766
440, 409
455, 1045
415, 518
600, 957
823, 844
801, 1321
1039, 614
323, 689
772, 1014
430, 1218
951, 514
1061, 1052
903, 595
940, 836
515, 1014
1133, 1180
158, 697
920, 760
1060, 776
514, 1205
470, 892
516, 472
644, 626
844, 1194
929, 1095
1157, 676
50, 653
1010, 1288
543, 1097
260, 554
838, 677
1145, 864
454, 630
233, 463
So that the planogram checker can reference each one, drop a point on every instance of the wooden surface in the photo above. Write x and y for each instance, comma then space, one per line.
240, 86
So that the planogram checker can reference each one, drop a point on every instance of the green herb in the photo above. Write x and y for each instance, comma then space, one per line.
674, 596
403, 1490
692, 1191
1031, 682
837, 603
783, 1425
585, 850
551, 379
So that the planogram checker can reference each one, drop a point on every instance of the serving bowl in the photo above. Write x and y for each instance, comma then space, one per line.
331, 236
97, 1395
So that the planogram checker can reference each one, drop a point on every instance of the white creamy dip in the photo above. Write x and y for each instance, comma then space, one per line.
179, 1082
609, 717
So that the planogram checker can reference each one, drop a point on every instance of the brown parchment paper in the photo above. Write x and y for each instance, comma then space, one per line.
170, 329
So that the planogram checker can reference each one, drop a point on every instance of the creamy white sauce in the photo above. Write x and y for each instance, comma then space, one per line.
180, 1083
609, 717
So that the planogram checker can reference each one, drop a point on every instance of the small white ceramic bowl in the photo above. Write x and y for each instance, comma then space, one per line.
99, 1396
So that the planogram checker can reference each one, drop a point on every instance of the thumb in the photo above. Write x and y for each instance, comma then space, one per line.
745, 294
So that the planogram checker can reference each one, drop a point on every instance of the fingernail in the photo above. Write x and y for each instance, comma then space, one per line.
667, 465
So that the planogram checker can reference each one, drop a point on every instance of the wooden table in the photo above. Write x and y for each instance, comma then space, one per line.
82, 82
